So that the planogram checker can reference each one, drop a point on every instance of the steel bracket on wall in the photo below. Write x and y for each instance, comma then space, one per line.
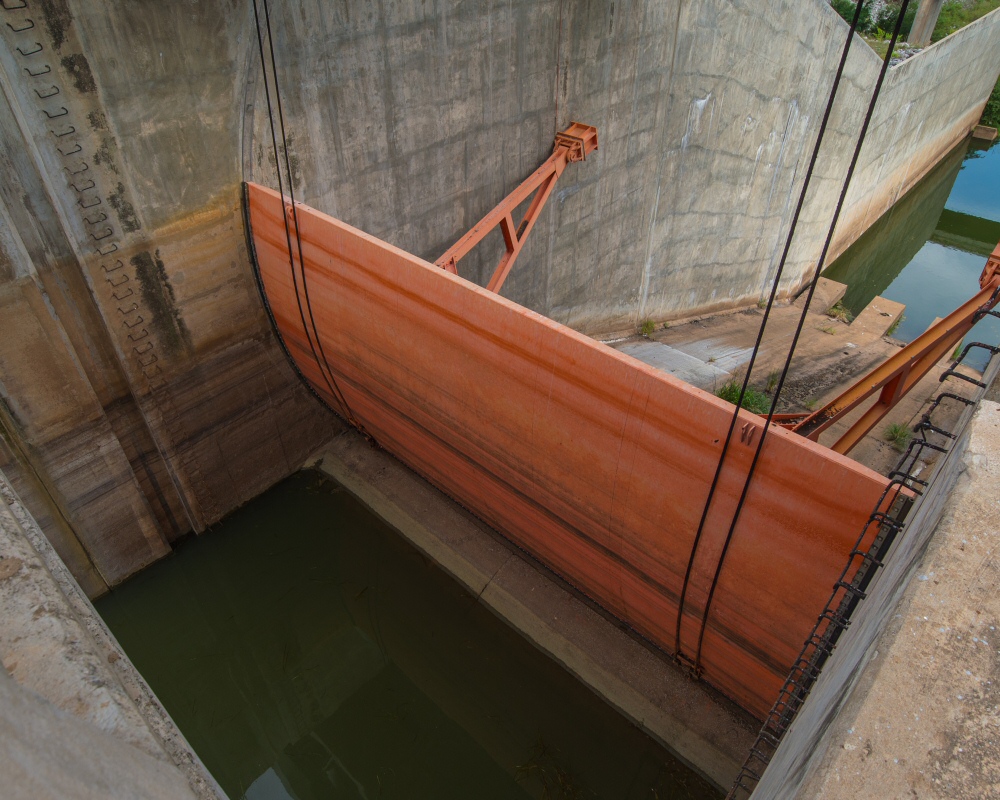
573, 144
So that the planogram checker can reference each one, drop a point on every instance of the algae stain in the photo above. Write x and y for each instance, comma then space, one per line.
79, 68
123, 208
105, 156
159, 297
97, 121
57, 19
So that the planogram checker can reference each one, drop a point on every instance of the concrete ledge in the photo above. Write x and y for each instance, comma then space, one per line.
703, 729
54, 644
925, 721
984, 132
877, 317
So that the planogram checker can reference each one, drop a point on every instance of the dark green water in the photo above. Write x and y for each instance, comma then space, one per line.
930, 248
307, 651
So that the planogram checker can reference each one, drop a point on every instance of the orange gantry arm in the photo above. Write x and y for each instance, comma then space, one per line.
573, 144
900, 373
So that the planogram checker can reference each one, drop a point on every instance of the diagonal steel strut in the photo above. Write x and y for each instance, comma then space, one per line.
573, 144
901, 372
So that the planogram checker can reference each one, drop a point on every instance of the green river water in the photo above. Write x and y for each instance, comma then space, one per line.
929, 249
307, 651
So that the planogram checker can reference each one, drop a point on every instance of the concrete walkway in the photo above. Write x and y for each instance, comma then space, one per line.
925, 719
830, 356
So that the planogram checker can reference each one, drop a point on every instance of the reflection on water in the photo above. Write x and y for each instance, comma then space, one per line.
307, 652
930, 248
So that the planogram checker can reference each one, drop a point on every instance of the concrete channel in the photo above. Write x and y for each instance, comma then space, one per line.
145, 396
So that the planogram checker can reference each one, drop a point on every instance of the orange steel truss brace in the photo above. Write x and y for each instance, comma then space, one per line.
594, 462
573, 144
901, 372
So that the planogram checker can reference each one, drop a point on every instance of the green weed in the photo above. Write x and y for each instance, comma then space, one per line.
898, 435
647, 327
841, 312
956, 14
991, 114
753, 399
772, 380
895, 325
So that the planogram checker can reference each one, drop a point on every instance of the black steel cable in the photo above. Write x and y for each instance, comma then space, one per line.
320, 357
767, 313
802, 318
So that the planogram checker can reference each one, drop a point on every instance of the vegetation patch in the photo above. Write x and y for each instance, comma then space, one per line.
647, 327
895, 325
898, 435
753, 399
991, 114
772, 381
878, 21
956, 14
841, 312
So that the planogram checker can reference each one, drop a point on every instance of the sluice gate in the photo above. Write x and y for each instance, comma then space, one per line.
593, 462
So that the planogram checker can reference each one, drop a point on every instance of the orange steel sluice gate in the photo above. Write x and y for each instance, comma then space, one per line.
592, 461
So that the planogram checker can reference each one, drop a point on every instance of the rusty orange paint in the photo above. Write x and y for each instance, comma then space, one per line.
592, 461
573, 144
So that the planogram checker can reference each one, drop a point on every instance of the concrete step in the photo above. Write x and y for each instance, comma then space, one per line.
879, 315
828, 293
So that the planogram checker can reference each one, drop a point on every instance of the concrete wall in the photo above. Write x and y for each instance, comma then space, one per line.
76, 719
927, 104
143, 392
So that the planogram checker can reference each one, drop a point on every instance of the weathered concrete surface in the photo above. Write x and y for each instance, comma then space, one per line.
53, 644
925, 720
46, 754
703, 729
143, 392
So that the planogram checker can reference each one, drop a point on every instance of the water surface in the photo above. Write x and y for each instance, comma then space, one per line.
929, 250
307, 651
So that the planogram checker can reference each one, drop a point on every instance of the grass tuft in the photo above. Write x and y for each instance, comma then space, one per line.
898, 435
772, 380
841, 312
753, 400
647, 327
